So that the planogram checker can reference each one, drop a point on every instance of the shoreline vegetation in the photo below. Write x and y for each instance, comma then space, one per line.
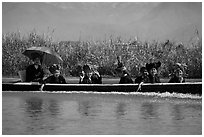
134, 54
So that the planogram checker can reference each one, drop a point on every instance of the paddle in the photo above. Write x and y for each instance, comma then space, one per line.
42, 86
139, 86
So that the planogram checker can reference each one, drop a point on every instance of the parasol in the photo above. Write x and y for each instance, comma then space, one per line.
49, 57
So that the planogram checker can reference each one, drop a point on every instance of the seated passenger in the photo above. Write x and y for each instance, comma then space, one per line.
34, 72
143, 76
95, 76
152, 69
178, 74
125, 77
85, 77
119, 64
55, 78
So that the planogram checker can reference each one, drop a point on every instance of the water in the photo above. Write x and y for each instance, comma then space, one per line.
58, 113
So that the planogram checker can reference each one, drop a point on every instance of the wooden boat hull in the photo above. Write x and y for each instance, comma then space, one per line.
192, 88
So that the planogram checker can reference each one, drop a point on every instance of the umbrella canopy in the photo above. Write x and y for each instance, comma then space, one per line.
49, 57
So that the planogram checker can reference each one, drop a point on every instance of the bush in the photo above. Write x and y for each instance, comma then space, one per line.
134, 53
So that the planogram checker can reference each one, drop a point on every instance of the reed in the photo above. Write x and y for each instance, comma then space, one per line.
134, 53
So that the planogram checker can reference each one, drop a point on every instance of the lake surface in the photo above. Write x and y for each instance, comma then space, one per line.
75, 113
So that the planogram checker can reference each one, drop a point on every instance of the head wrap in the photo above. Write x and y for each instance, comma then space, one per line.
155, 65
54, 69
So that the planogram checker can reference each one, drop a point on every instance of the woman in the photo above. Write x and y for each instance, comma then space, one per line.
143, 76
119, 64
34, 72
152, 69
178, 74
85, 76
95, 76
125, 77
89, 76
56, 77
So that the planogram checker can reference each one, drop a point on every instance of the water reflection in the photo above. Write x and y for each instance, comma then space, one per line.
194, 107
177, 113
181, 111
34, 111
84, 108
149, 110
53, 107
88, 108
34, 106
70, 114
41, 115
120, 110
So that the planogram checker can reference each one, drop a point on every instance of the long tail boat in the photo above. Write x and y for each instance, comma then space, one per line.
191, 87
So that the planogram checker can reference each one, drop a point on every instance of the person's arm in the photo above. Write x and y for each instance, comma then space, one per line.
39, 77
183, 80
47, 80
81, 79
42, 73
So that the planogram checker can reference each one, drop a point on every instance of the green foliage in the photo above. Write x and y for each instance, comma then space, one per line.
134, 53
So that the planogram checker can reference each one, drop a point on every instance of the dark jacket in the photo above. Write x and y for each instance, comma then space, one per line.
33, 74
144, 79
126, 79
96, 79
176, 80
119, 67
54, 80
154, 79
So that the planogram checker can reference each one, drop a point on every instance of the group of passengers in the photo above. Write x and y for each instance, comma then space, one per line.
90, 75
35, 72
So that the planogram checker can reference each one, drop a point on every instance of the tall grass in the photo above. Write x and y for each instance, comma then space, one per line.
134, 53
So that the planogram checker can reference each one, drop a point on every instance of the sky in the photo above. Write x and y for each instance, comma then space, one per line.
65, 21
